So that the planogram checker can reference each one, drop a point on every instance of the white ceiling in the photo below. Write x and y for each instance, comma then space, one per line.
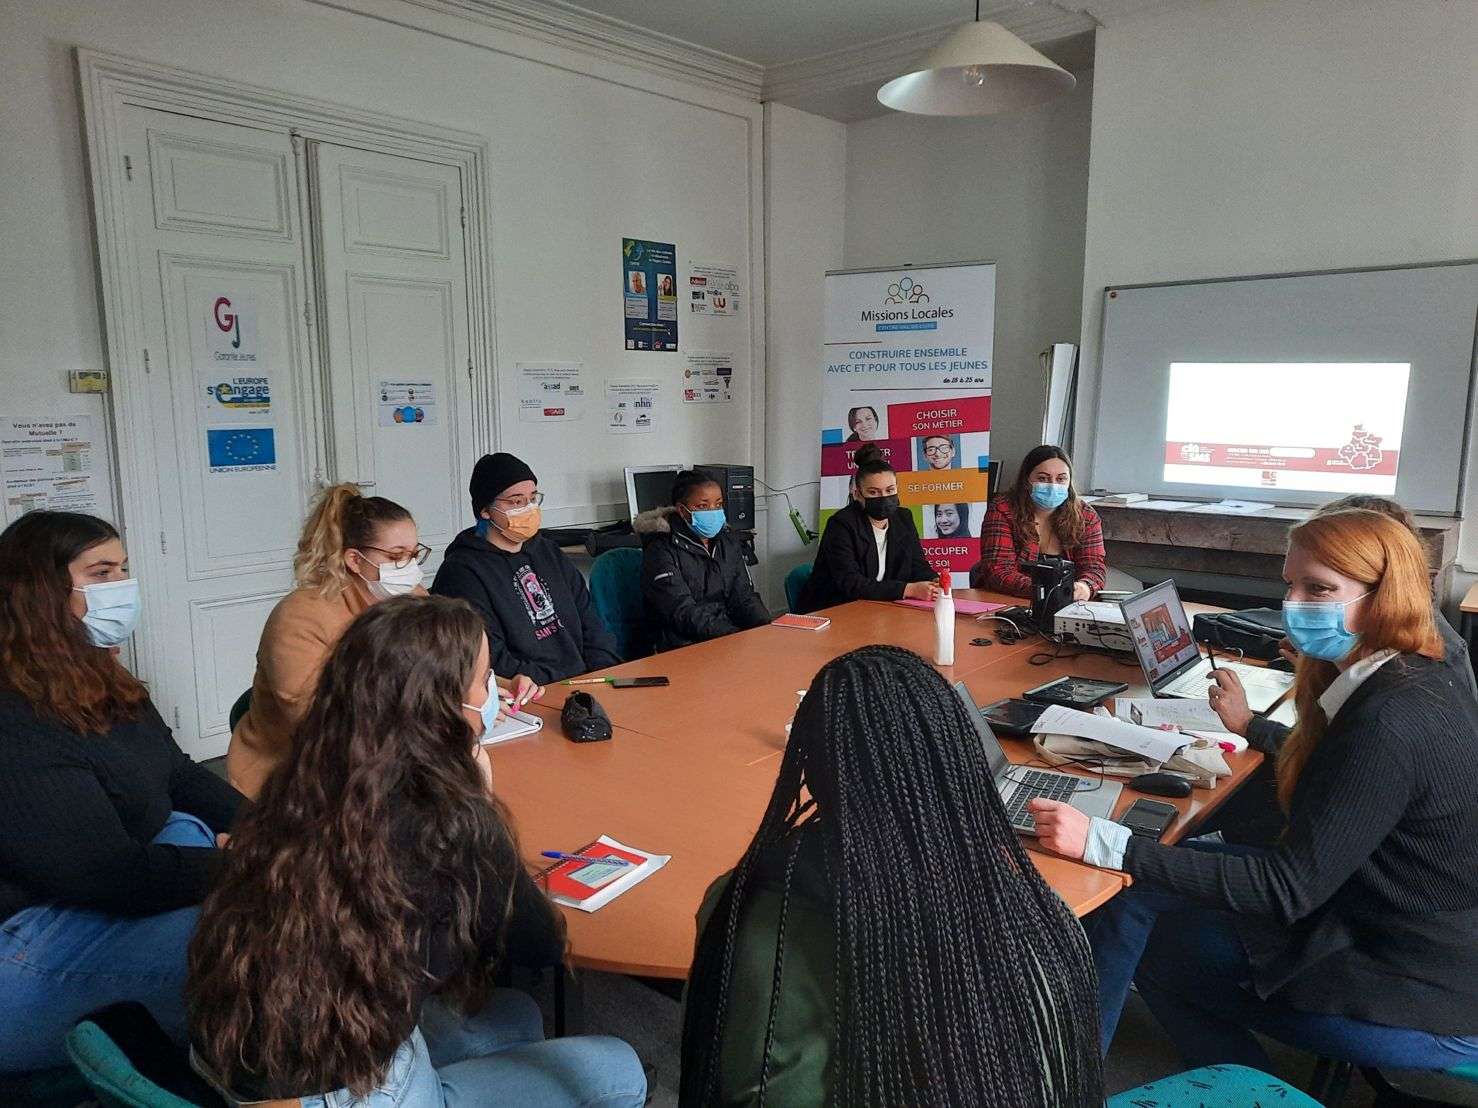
769, 32
823, 56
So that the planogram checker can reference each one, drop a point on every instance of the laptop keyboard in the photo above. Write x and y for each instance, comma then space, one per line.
1033, 783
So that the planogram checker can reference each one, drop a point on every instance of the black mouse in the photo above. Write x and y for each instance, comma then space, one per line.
1161, 784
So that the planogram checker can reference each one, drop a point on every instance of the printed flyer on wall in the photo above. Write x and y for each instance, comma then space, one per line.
631, 407
406, 403
48, 463
907, 363
713, 290
550, 392
649, 288
708, 378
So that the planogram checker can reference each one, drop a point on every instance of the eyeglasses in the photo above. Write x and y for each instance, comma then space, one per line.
935, 451
399, 560
518, 503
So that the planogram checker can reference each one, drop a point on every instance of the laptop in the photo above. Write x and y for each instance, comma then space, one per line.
1019, 784
1173, 663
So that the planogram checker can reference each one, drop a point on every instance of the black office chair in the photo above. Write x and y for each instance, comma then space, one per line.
243, 702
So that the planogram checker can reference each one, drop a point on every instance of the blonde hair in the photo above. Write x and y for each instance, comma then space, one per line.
1381, 553
342, 518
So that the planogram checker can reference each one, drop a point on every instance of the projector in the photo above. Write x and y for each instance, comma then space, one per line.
1092, 623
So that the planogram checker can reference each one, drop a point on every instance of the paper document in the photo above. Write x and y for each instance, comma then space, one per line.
1165, 505
1232, 508
1148, 742
1188, 715
512, 725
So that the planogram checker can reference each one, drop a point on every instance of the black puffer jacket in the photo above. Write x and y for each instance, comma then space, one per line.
693, 593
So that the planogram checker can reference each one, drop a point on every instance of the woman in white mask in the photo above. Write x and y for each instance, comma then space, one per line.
355, 551
108, 831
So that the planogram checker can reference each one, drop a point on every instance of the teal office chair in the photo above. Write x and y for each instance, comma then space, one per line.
1214, 1087
243, 702
615, 587
795, 584
129, 1062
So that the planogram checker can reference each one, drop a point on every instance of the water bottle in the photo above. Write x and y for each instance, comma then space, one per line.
944, 626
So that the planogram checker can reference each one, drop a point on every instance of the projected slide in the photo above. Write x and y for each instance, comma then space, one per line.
1305, 426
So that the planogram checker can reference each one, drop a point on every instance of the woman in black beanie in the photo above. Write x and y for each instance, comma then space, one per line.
533, 601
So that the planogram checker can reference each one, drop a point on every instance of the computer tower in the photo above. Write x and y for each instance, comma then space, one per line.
738, 484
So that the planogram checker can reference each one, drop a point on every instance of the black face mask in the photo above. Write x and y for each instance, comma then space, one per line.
880, 507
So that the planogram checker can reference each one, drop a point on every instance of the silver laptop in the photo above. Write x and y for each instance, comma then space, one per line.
1019, 784
1173, 663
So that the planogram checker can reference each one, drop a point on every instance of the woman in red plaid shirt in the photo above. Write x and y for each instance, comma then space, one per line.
1040, 514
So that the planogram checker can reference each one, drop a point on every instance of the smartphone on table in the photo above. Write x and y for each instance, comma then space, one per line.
638, 682
1149, 818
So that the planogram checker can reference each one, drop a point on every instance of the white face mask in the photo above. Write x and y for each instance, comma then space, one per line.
395, 582
112, 610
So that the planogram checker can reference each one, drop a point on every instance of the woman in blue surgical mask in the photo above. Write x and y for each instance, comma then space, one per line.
108, 832
1040, 514
694, 582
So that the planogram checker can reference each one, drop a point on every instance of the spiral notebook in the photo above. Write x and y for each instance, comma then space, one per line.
591, 885
513, 725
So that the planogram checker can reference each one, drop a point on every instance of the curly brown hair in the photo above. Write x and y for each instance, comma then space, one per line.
309, 959
45, 654
1067, 520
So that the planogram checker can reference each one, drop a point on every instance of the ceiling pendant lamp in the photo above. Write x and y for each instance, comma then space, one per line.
980, 69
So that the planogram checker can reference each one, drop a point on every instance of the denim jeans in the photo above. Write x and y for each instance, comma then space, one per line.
1193, 972
500, 1056
59, 963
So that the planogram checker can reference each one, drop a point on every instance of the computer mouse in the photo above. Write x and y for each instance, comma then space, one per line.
1161, 784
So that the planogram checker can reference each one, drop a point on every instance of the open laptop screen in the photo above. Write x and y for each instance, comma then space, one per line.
994, 753
1161, 631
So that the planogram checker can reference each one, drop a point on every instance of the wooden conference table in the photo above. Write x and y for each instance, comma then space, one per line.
691, 767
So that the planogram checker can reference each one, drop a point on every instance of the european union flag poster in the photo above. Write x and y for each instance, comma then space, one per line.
649, 290
241, 449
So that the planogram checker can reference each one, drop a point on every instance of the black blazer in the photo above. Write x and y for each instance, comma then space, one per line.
1368, 906
847, 562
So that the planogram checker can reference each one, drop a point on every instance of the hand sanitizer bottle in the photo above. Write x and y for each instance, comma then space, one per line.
944, 626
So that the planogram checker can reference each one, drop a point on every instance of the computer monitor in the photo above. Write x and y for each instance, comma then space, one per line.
649, 487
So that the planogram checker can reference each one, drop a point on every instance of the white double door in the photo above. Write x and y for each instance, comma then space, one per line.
305, 321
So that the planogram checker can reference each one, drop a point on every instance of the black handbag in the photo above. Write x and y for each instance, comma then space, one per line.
1255, 632
584, 720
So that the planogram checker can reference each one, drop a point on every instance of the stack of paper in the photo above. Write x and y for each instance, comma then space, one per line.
1186, 715
1147, 742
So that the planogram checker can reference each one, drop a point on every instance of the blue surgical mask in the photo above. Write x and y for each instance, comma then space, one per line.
489, 710
112, 610
1047, 496
1317, 627
706, 523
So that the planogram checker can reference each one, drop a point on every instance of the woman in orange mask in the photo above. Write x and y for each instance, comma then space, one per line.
533, 601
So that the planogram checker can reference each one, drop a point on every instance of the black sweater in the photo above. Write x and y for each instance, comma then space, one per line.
77, 813
1368, 907
525, 931
535, 605
847, 561
693, 592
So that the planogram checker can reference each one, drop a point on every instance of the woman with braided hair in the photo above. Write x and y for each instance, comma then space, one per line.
885, 940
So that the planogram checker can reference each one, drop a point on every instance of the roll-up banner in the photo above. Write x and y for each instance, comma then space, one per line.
908, 357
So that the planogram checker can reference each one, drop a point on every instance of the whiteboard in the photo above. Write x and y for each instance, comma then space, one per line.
1419, 316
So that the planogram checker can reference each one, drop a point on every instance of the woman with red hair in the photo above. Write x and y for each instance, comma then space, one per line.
1356, 937
107, 830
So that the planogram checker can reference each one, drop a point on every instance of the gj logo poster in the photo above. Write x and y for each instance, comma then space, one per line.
649, 290
907, 363
231, 330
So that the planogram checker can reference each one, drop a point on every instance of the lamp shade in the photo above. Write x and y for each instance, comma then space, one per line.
980, 69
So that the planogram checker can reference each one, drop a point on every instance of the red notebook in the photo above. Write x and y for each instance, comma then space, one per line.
805, 623
589, 885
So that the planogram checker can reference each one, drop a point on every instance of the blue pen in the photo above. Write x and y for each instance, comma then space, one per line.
563, 857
